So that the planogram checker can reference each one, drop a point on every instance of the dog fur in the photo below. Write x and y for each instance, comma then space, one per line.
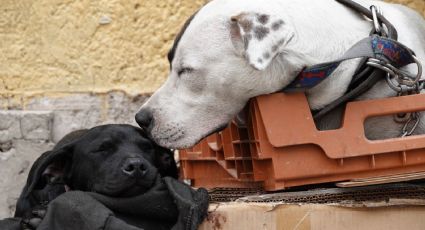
233, 50
93, 160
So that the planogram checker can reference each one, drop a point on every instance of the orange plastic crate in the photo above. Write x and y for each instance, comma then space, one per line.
286, 149
221, 160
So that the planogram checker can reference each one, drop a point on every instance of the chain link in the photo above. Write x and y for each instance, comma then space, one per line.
411, 124
403, 82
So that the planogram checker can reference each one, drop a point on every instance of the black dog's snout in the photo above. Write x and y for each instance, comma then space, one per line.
145, 119
135, 167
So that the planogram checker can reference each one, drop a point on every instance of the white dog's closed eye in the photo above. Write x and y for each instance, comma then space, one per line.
184, 70
259, 37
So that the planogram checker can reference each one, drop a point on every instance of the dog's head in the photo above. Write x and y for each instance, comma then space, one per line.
227, 53
114, 160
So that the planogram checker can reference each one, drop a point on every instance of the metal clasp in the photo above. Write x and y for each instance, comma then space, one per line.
405, 81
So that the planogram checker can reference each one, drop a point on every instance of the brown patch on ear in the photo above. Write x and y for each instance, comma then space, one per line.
244, 23
261, 32
234, 31
252, 37
247, 38
238, 17
263, 18
277, 45
277, 24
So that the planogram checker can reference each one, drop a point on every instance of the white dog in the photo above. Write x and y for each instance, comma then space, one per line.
216, 68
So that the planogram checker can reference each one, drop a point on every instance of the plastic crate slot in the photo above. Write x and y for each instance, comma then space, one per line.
234, 132
243, 134
245, 150
388, 115
230, 164
237, 150
220, 155
281, 147
247, 164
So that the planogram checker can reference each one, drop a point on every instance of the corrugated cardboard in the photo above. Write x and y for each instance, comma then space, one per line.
392, 215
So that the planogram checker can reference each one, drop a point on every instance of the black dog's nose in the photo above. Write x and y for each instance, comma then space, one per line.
134, 167
144, 118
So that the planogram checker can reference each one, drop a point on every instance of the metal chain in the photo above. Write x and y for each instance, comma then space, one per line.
376, 23
400, 81
411, 124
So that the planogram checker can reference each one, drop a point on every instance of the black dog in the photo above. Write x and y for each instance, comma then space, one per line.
113, 160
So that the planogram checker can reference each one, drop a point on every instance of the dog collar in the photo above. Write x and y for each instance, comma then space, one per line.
385, 50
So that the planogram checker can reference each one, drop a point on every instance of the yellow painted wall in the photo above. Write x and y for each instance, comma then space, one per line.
52, 47
87, 45
418, 5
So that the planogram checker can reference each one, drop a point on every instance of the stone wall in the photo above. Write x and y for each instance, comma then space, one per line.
25, 134
66, 65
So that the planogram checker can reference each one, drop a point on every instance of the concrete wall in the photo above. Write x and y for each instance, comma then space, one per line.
67, 64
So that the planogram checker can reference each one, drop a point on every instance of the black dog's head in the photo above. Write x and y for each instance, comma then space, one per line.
114, 160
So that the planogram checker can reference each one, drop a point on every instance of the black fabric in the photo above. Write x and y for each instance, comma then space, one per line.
10, 224
169, 204
192, 205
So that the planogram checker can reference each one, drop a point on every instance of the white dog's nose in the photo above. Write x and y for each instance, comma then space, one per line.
145, 119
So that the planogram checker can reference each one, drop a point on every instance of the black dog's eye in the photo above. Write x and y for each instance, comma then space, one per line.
184, 70
105, 146
145, 146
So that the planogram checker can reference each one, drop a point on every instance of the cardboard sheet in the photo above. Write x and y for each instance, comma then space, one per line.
395, 214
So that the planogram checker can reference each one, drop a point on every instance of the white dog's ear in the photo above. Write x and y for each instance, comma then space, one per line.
258, 37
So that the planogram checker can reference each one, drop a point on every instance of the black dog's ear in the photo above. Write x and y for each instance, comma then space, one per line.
60, 156
70, 137
165, 162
